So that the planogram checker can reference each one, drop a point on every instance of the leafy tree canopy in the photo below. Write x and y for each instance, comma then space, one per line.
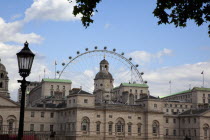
175, 12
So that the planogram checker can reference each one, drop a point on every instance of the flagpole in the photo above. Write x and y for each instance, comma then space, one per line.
55, 69
203, 78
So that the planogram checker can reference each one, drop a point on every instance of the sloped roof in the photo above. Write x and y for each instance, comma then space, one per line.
79, 91
134, 85
194, 111
147, 97
188, 91
56, 80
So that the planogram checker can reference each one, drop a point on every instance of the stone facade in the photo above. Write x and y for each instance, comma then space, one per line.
75, 114
4, 81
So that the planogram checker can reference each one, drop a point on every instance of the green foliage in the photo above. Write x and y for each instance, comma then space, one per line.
86, 8
179, 11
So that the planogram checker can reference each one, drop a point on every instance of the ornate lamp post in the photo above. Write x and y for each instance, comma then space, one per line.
25, 60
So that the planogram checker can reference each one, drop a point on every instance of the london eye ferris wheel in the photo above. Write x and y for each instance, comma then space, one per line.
82, 68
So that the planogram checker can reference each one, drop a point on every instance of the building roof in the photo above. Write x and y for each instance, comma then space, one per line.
132, 85
78, 91
104, 61
188, 91
56, 80
147, 97
194, 111
103, 75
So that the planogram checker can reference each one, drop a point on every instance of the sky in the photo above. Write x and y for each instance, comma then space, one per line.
164, 53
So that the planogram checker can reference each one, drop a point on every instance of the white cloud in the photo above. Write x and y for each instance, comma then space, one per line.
181, 77
16, 16
142, 57
107, 25
57, 10
11, 32
9, 59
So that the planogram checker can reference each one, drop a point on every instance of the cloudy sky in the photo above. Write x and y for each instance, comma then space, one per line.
163, 52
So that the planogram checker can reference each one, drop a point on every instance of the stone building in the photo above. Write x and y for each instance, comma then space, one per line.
136, 115
4, 81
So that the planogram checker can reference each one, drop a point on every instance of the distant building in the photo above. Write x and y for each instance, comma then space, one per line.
28, 90
4, 81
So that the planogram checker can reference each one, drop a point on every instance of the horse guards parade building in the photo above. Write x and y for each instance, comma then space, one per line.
126, 112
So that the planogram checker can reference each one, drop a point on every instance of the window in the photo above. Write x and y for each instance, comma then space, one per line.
63, 87
86, 101
57, 86
120, 126
167, 110
194, 120
129, 128
129, 117
166, 120
101, 85
204, 101
31, 127
51, 86
170, 105
110, 116
155, 105
110, 127
130, 90
139, 129
141, 91
188, 120
181, 106
98, 127
185, 106
85, 124
174, 120
166, 132
136, 90
183, 132
74, 100
155, 128
209, 101
203, 95
42, 114
175, 105
70, 101
51, 115
135, 96
174, 132
51, 128
189, 132
32, 114
139, 118
1, 85
98, 116
41, 127
195, 132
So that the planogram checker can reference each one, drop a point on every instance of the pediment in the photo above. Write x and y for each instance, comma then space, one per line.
7, 102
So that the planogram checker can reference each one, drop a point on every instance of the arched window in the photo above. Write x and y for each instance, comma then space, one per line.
120, 125
155, 128
85, 124
1, 85
206, 131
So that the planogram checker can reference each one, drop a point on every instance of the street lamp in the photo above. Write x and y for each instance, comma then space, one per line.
25, 60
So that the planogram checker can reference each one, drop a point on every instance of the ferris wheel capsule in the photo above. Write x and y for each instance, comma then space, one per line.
63, 64
137, 65
58, 72
114, 50
70, 57
142, 73
145, 82
122, 53
78, 52
86, 49
105, 48
96, 47
130, 58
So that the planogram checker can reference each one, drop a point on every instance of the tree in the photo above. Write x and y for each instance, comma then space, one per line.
176, 12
